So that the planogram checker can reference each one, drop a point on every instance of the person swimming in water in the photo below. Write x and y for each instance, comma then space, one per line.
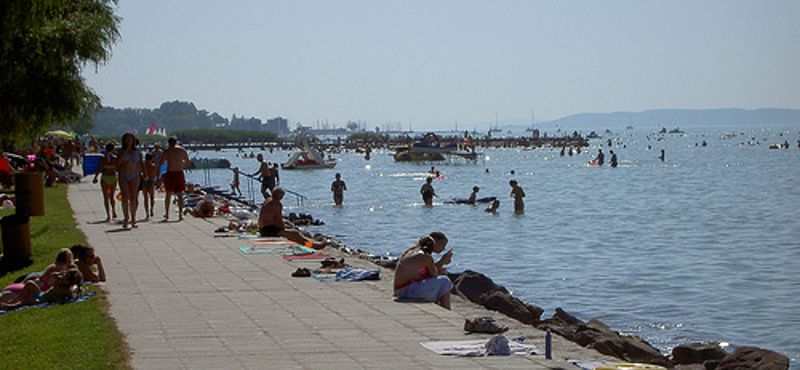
493, 208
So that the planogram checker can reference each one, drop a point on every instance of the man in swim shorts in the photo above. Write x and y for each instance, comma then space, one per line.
174, 180
270, 221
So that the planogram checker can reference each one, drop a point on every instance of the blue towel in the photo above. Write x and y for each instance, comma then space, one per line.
351, 274
79, 298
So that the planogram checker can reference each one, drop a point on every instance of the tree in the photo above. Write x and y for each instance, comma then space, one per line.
44, 46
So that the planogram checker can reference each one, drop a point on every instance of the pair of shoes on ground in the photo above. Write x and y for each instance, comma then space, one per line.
301, 272
483, 325
333, 263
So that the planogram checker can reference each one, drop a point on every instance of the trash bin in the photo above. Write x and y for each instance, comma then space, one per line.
29, 189
90, 163
16, 240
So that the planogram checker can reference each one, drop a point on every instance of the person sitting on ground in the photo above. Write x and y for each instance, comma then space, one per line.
440, 242
85, 258
270, 221
417, 277
43, 280
66, 284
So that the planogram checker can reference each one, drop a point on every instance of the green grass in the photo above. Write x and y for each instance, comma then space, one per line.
72, 336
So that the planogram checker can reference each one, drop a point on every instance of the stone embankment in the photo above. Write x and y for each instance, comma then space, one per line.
480, 289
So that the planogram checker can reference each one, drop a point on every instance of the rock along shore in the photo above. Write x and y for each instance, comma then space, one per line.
474, 288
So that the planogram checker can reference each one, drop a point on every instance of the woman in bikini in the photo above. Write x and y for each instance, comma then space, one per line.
417, 277
148, 186
130, 166
108, 168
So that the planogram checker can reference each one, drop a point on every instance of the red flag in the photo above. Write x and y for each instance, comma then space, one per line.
152, 129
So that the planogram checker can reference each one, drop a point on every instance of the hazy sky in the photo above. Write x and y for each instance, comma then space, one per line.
432, 64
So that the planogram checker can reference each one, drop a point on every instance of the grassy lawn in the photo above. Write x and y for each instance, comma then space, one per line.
72, 336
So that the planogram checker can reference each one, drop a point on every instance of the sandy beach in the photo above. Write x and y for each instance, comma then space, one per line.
185, 297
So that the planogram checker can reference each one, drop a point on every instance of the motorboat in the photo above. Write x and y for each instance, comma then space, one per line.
208, 163
431, 148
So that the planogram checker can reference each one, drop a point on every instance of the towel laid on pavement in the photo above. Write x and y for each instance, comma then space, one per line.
473, 348
289, 249
353, 274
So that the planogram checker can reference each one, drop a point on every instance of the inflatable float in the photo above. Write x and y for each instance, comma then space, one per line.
466, 200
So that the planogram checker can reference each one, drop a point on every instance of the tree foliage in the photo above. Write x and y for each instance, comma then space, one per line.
174, 115
44, 46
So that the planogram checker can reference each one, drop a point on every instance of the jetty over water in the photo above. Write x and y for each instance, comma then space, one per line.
573, 140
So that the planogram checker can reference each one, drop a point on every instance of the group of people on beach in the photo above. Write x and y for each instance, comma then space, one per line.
127, 168
59, 282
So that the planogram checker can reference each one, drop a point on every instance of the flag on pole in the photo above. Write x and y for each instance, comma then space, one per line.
152, 129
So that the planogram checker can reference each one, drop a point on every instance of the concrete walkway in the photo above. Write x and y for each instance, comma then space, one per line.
185, 299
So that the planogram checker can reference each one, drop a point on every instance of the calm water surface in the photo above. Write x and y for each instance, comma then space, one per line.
702, 246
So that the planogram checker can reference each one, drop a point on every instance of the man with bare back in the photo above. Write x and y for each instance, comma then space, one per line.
174, 180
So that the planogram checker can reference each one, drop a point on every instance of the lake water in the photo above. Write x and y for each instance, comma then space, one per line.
702, 246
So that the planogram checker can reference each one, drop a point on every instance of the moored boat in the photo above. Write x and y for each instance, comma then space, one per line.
208, 163
431, 148
308, 158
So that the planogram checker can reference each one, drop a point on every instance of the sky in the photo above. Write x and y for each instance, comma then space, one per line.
464, 64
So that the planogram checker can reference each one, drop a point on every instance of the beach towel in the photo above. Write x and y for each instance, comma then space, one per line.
276, 242
324, 276
255, 236
473, 348
306, 257
290, 249
353, 274
80, 298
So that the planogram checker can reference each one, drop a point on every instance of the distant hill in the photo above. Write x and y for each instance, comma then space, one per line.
669, 118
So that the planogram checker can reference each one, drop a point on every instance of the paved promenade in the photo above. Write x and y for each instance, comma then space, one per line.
185, 299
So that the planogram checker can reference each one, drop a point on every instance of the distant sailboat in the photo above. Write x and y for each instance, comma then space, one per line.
533, 124
496, 127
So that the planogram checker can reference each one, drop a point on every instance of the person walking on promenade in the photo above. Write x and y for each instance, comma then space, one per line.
149, 186
130, 165
427, 192
108, 182
174, 181
517, 193
270, 221
338, 187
